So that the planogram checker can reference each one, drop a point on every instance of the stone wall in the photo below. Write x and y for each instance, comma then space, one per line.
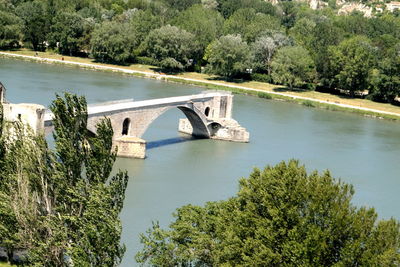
29, 114
130, 147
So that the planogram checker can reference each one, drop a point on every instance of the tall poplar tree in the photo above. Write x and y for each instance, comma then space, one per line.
64, 203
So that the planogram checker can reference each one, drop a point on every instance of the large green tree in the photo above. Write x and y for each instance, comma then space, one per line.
303, 31
35, 25
10, 30
265, 47
384, 81
170, 44
228, 56
228, 7
293, 66
205, 24
113, 42
67, 33
182, 4
351, 62
281, 216
250, 24
142, 23
323, 35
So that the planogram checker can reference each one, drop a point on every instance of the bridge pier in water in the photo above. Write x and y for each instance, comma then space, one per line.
130, 147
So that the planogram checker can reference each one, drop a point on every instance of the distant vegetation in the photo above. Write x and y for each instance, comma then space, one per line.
281, 216
287, 43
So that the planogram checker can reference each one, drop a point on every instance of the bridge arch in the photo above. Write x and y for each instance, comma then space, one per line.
197, 119
198, 123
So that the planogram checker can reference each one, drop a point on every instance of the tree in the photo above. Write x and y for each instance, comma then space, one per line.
205, 24
265, 47
10, 30
210, 4
324, 35
67, 32
293, 66
354, 24
302, 32
33, 15
113, 42
228, 56
90, 202
182, 4
228, 7
64, 205
171, 42
351, 62
384, 82
142, 23
250, 24
281, 216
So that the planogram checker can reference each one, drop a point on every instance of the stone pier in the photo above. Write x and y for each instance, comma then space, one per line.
130, 147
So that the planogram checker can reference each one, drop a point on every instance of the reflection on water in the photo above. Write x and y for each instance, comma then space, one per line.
179, 170
169, 141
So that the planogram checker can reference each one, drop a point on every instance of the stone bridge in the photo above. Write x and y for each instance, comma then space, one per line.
208, 115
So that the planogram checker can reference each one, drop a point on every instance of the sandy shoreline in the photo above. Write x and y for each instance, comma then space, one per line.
195, 81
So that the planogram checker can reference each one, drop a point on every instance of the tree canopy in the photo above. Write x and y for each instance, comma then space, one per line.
204, 23
281, 216
113, 42
10, 30
293, 66
125, 32
62, 206
352, 61
228, 56
172, 44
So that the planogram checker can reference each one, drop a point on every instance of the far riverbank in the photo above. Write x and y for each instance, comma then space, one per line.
263, 90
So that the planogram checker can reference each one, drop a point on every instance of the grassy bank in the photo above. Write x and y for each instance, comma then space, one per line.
263, 90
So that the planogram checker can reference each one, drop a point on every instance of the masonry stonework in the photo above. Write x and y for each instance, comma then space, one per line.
208, 115
29, 114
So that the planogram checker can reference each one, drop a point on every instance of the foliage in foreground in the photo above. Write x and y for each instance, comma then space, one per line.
61, 206
281, 216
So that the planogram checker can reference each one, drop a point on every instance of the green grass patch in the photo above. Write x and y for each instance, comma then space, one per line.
309, 103
264, 95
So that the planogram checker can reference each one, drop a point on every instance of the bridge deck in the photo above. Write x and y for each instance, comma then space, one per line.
107, 107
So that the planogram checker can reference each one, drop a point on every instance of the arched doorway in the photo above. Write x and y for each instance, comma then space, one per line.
207, 111
125, 126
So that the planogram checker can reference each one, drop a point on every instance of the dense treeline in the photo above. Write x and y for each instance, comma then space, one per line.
286, 44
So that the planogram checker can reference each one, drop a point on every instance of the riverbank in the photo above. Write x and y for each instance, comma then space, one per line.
263, 90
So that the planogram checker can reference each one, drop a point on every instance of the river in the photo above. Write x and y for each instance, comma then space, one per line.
358, 150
